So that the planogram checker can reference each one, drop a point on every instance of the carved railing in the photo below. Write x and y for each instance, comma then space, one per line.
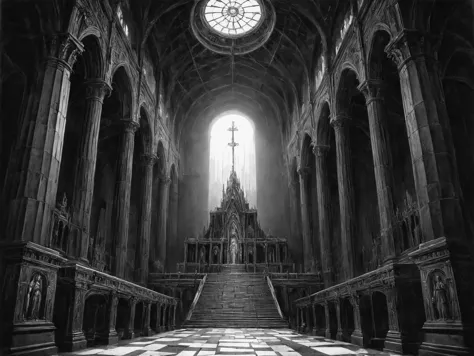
196, 298
272, 291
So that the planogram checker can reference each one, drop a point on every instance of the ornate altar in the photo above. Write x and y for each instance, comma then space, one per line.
234, 236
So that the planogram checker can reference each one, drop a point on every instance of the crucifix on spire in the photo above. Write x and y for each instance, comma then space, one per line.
233, 144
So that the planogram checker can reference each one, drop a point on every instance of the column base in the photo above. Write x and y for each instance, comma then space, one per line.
395, 342
339, 335
128, 334
33, 340
357, 338
147, 332
328, 334
74, 342
162, 329
111, 338
445, 338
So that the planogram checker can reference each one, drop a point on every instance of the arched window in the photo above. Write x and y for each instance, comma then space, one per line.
122, 20
220, 160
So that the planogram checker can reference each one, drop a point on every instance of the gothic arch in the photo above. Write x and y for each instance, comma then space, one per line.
323, 126
347, 82
93, 57
121, 79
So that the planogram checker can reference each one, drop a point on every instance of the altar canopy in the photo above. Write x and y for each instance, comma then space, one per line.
234, 235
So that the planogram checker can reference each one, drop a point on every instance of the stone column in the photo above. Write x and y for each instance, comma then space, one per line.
307, 245
324, 212
298, 321
309, 326
346, 192
315, 320
440, 211
32, 182
96, 90
144, 225
444, 244
129, 333
112, 336
379, 139
122, 195
165, 182
146, 323
328, 321
220, 253
164, 321
170, 317
74, 338
158, 318
357, 336
174, 317
339, 324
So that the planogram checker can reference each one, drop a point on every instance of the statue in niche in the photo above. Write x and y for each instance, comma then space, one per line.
62, 204
34, 298
250, 232
215, 254
233, 251
440, 298
202, 255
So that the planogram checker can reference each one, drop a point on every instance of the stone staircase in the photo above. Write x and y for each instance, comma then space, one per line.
235, 299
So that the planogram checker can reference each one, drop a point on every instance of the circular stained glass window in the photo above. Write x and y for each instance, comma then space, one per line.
233, 17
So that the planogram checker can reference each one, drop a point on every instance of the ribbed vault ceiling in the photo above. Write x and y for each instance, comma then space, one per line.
271, 80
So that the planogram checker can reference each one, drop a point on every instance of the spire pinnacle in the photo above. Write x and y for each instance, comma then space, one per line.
233, 144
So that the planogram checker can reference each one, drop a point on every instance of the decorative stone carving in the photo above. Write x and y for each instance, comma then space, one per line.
440, 296
34, 303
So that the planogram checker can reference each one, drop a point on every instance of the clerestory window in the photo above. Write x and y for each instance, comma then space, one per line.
122, 20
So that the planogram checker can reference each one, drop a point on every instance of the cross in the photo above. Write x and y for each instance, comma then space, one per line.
233, 144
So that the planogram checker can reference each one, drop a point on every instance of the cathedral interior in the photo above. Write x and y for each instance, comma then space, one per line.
361, 241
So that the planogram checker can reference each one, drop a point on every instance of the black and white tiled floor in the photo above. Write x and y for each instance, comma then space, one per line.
230, 342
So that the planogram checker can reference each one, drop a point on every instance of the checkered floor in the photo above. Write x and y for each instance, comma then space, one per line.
230, 342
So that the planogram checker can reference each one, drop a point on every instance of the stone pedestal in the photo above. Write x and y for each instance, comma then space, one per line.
446, 287
28, 279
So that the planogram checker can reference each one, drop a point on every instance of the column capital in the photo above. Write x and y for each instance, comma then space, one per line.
64, 48
97, 89
373, 89
148, 160
129, 126
304, 171
339, 121
407, 45
165, 179
321, 150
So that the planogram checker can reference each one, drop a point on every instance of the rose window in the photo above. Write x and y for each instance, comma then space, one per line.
233, 17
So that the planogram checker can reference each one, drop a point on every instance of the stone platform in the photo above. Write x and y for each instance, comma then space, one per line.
230, 342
